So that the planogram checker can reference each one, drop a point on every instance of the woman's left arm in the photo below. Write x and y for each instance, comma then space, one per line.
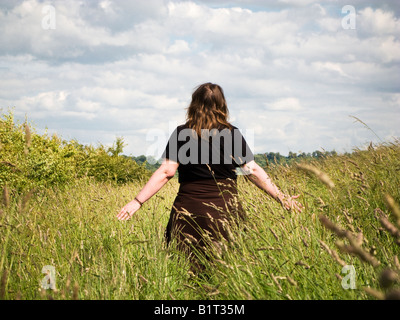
159, 178
260, 178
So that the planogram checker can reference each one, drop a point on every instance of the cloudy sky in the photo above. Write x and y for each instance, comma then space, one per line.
293, 72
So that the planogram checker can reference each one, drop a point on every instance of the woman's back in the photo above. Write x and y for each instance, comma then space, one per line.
216, 154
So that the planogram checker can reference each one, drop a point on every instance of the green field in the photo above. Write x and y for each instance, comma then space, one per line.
60, 201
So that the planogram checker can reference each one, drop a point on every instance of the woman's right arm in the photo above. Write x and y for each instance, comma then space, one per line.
159, 178
261, 179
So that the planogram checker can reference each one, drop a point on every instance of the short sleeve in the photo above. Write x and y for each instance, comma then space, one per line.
171, 150
242, 153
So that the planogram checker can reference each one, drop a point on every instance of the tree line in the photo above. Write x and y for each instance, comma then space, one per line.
262, 159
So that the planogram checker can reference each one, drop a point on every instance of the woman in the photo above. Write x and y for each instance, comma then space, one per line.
207, 151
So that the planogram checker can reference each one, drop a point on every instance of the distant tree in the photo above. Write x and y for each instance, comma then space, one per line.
317, 154
150, 162
118, 147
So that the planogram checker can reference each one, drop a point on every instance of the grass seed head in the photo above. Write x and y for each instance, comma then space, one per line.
393, 295
28, 139
322, 176
375, 293
6, 196
75, 291
28, 136
387, 278
390, 228
396, 262
3, 284
394, 207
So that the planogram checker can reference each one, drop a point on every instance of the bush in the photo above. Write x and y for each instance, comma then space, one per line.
29, 160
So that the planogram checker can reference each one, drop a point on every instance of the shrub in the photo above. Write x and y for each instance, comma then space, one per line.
29, 160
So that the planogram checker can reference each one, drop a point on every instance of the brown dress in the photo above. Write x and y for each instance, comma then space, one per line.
202, 216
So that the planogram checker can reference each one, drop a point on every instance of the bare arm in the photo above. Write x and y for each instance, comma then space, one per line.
261, 179
159, 178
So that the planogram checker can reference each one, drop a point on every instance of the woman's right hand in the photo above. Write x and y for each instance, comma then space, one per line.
128, 210
289, 203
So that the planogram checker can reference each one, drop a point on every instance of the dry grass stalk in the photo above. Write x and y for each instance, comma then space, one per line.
25, 200
301, 263
354, 163
393, 295
355, 249
224, 264
365, 200
308, 232
276, 237
349, 220
390, 227
276, 282
394, 207
321, 202
332, 253
291, 281
189, 286
28, 135
359, 239
6, 196
348, 217
355, 245
75, 291
28, 139
3, 284
269, 248
396, 262
387, 278
333, 227
322, 176
375, 293
142, 279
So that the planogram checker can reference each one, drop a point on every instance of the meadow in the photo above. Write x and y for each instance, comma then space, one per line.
59, 206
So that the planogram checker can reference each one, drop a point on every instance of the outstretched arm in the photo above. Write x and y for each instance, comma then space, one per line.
260, 178
159, 178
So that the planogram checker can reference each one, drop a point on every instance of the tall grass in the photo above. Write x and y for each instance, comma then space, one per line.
276, 254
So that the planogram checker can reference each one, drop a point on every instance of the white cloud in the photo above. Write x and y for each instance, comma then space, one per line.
286, 104
378, 22
297, 2
178, 47
289, 69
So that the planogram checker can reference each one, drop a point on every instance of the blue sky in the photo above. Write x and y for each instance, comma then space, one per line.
291, 73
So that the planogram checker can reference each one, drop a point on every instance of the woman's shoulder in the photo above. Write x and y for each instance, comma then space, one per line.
181, 127
230, 127
234, 128
186, 126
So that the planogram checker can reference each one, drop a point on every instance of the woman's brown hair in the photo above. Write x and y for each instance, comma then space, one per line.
208, 109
